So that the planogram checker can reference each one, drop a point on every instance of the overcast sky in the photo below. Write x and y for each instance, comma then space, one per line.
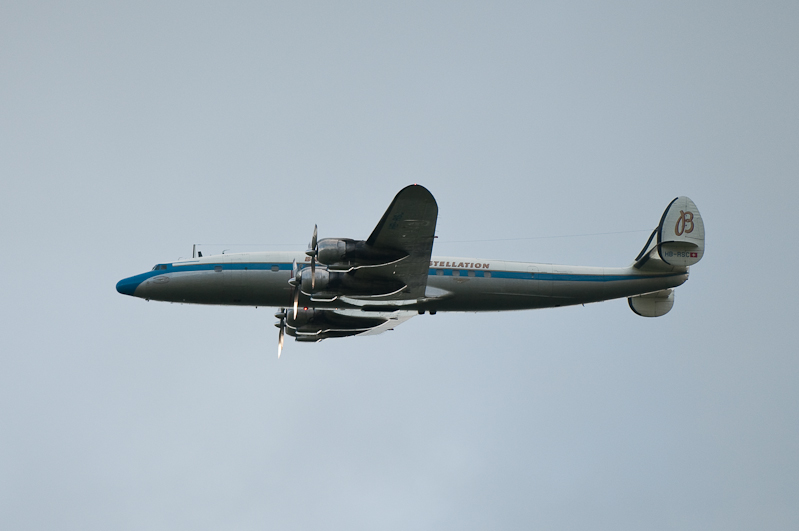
130, 131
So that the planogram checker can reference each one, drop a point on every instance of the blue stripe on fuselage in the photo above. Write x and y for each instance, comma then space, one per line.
127, 286
561, 277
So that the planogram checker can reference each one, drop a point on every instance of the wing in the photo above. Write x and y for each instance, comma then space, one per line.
315, 325
393, 320
408, 228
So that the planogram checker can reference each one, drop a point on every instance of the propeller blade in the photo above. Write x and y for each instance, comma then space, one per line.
281, 314
280, 338
312, 248
313, 258
313, 240
296, 300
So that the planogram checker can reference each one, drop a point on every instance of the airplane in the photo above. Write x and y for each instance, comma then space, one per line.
342, 287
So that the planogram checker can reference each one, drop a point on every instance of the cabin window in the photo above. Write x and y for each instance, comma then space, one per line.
275, 268
456, 273
471, 273
440, 272
487, 274
217, 268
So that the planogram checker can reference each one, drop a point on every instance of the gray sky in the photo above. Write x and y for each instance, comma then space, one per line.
128, 132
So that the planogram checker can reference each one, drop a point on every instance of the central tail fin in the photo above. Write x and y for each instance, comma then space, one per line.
679, 239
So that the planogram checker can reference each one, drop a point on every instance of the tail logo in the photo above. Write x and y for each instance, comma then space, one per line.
683, 222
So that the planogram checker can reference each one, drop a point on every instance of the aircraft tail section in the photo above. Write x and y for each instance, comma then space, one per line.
678, 240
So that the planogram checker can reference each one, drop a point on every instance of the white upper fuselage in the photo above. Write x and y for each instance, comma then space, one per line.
453, 284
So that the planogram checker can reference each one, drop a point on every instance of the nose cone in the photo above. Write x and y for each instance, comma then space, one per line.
127, 286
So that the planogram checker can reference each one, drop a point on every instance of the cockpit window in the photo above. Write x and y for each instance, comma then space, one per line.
156, 267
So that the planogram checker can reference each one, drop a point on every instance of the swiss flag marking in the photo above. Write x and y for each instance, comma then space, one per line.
694, 255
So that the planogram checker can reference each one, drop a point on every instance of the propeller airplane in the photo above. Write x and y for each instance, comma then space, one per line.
342, 287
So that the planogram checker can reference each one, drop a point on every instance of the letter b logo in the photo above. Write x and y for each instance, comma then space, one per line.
685, 223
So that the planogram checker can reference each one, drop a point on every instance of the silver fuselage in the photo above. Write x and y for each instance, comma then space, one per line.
454, 283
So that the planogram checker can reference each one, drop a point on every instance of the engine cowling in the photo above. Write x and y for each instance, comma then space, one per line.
344, 283
344, 251
319, 283
315, 325
332, 250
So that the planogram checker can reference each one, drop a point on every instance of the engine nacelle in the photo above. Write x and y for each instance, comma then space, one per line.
344, 283
304, 315
320, 279
344, 251
315, 325
332, 250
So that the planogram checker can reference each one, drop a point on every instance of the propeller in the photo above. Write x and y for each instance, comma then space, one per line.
282, 326
312, 251
294, 281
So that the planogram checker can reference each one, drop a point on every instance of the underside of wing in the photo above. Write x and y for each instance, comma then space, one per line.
315, 325
392, 320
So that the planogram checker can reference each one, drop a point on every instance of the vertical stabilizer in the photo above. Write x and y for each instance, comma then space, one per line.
681, 233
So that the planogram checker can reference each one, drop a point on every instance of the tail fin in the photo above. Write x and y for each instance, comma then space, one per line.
679, 239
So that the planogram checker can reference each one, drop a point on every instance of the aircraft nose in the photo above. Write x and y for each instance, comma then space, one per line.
127, 286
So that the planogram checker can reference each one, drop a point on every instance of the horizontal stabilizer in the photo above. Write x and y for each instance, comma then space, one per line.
652, 304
